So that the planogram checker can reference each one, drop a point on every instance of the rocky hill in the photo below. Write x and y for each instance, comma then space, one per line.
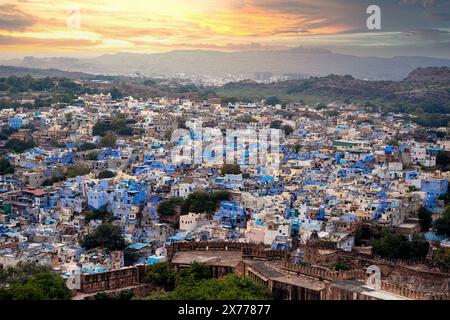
420, 86
6, 71
430, 74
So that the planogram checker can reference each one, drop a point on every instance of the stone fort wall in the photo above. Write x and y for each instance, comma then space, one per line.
132, 276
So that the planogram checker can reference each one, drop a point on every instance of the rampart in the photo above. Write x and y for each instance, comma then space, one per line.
132, 276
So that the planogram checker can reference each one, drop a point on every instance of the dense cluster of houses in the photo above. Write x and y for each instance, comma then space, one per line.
335, 172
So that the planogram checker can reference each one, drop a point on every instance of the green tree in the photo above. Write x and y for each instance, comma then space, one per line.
168, 135
230, 287
199, 202
41, 286
69, 116
276, 124
77, 170
21, 272
51, 181
338, 266
40, 103
218, 196
161, 274
28, 281
99, 214
100, 128
18, 145
87, 146
93, 156
124, 295
195, 273
167, 207
441, 258
287, 129
118, 124
5, 167
425, 219
442, 225
109, 140
392, 143
105, 236
246, 119
272, 101
116, 94
445, 197
149, 82
230, 169
394, 246
227, 100
106, 174
443, 159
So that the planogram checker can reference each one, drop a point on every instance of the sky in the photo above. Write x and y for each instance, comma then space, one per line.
50, 28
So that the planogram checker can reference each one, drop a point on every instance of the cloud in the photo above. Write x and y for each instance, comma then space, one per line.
11, 18
29, 41
422, 2
442, 45
142, 45
439, 15
228, 25
429, 34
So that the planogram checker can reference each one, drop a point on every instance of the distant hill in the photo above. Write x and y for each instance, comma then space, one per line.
215, 63
424, 93
420, 86
6, 71
430, 74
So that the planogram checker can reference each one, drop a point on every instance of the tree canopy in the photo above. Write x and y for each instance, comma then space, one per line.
276, 124
118, 124
87, 146
197, 283
5, 167
425, 219
161, 274
100, 214
124, 295
394, 246
28, 281
116, 94
272, 101
106, 174
167, 207
442, 225
108, 140
287, 129
19, 146
105, 236
230, 169
197, 202
77, 170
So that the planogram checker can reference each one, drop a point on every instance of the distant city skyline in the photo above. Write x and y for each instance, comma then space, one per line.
41, 28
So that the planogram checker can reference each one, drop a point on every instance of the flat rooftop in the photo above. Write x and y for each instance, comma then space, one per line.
272, 270
219, 258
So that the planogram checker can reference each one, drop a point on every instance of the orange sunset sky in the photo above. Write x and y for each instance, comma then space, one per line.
37, 27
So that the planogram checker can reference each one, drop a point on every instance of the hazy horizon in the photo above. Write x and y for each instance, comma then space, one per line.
96, 55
